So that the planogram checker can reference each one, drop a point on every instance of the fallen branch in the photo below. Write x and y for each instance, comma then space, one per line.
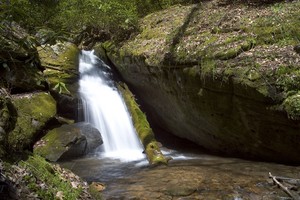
284, 188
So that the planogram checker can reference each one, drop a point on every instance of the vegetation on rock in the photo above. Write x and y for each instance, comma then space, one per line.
209, 73
35, 178
61, 64
33, 112
143, 129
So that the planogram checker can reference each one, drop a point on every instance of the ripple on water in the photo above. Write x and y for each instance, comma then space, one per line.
188, 176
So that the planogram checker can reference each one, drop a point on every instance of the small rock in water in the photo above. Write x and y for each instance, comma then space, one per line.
97, 186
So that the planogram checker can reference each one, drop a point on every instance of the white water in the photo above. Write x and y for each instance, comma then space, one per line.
105, 109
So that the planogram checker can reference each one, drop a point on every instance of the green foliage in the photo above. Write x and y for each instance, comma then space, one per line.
280, 27
60, 86
292, 106
42, 171
119, 18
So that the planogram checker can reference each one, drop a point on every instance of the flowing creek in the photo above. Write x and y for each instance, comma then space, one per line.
188, 176
124, 170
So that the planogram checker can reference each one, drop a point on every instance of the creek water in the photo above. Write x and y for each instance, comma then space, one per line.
124, 170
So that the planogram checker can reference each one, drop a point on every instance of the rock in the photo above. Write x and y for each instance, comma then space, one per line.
46, 36
68, 106
8, 116
225, 90
68, 141
33, 111
61, 64
35, 178
20, 67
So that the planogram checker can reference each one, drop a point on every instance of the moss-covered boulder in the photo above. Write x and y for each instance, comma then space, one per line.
68, 141
223, 75
143, 129
34, 110
61, 64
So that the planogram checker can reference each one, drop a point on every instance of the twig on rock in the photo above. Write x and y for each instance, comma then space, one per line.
284, 188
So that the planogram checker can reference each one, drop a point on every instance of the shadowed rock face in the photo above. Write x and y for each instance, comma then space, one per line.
222, 82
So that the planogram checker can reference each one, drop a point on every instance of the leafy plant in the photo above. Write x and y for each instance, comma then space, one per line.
60, 86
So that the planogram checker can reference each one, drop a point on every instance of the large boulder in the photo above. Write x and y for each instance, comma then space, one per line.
61, 64
224, 76
69, 141
33, 111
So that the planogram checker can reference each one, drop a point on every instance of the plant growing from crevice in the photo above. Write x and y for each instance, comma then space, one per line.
60, 87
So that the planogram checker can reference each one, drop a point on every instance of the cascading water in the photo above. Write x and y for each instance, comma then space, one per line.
105, 109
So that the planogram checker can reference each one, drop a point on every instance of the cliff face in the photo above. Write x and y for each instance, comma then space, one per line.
224, 75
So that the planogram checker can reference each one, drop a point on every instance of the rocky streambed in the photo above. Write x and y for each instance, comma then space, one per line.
188, 176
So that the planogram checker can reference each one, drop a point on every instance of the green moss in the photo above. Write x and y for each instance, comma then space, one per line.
143, 129
292, 106
42, 171
54, 150
154, 155
280, 27
241, 45
33, 112
61, 63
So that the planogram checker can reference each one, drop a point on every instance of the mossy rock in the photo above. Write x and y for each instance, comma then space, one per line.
225, 77
292, 106
34, 110
68, 141
34, 176
61, 63
143, 129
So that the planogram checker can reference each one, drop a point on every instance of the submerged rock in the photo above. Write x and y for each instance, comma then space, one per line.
68, 141
221, 75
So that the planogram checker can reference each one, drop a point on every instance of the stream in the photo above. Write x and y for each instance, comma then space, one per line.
188, 176
125, 173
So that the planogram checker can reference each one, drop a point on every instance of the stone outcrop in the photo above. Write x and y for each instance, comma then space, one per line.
224, 76
68, 141
61, 71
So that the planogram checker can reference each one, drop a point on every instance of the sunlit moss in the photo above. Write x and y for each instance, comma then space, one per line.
33, 112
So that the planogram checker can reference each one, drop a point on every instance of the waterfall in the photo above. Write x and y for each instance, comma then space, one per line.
105, 109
